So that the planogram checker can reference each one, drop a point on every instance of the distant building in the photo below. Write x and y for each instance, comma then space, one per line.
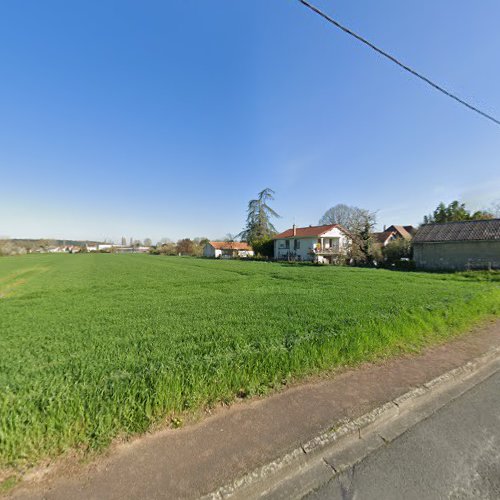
112, 248
455, 246
227, 249
323, 244
405, 232
393, 233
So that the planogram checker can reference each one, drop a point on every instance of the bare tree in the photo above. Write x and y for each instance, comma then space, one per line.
166, 247
360, 223
164, 241
185, 246
349, 217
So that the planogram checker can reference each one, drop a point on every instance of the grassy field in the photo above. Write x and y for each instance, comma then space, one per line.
96, 346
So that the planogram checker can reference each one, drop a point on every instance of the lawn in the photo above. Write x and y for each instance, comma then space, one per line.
97, 346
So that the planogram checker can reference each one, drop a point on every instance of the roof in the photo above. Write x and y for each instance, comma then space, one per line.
230, 245
383, 236
405, 232
304, 232
474, 230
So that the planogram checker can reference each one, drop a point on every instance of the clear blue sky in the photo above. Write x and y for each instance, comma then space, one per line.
163, 118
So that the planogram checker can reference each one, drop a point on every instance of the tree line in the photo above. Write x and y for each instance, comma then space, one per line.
259, 231
184, 246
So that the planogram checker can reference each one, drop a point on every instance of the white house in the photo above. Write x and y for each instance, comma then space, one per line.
323, 244
227, 249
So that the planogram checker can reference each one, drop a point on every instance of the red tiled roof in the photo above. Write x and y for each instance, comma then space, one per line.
230, 245
302, 232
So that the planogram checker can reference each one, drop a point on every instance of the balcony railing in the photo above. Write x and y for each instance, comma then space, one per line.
326, 251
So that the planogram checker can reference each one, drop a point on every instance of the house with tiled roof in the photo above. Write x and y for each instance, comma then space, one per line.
405, 232
454, 246
227, 249
394, 232
383, 238
322, 244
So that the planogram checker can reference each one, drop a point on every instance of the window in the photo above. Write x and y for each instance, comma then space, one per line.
296, 244
287, 244
335, 243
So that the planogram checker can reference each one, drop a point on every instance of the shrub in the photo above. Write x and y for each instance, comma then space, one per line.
396, 250
264, 247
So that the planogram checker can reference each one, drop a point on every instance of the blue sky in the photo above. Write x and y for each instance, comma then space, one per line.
162, 119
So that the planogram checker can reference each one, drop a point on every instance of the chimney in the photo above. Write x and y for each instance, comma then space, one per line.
294, 230
385, 227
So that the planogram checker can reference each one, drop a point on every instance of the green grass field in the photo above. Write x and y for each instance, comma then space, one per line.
97, 346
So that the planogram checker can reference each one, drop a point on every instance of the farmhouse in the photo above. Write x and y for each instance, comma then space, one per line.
323, 244
458, 246
227, 249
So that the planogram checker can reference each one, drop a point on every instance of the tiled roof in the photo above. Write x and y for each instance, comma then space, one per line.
459, 231
404, 231
230, 245
303, 232
382, 237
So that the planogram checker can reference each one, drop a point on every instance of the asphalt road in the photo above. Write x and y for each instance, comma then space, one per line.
454, 454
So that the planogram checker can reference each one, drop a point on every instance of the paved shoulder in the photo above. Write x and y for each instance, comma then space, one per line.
453, 454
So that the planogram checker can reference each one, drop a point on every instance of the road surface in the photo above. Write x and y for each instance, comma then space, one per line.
454, 454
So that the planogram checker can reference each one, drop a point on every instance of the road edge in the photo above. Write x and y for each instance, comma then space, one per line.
349, 441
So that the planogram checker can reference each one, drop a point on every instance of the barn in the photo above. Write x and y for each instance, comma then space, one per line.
458, 246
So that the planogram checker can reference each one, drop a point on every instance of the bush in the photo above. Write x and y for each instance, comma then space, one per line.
264, 247
166, 249
396, 250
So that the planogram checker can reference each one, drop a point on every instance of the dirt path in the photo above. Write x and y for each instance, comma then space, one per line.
195, 460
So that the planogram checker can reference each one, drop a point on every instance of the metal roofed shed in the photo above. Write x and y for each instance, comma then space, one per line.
458, 246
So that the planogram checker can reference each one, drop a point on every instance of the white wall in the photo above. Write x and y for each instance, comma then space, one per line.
245, 253
307, 244
215, 253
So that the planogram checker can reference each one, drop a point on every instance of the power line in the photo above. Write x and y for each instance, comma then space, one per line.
399, 63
